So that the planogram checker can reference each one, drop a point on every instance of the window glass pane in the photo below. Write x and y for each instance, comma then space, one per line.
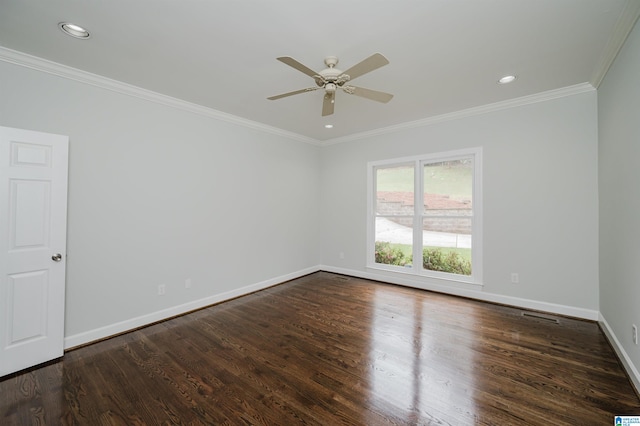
394, 241
394, 191
446, 244
446, 224
448, 188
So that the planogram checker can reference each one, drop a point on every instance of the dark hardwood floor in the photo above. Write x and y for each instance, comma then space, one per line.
327, 350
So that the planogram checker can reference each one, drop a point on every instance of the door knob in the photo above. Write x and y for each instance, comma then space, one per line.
56, 257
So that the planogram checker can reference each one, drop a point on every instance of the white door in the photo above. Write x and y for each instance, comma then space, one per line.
33, 227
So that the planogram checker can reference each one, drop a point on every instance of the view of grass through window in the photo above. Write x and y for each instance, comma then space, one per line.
446, 215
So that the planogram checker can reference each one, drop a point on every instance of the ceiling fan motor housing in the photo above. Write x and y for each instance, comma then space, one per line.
330, 74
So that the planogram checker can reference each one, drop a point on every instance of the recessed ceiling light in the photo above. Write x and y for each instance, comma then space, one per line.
74, 30
328, 126
507, 79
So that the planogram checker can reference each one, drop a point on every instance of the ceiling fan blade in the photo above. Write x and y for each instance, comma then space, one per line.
296, 92
374, 95
373, 62
328, 103
297, 65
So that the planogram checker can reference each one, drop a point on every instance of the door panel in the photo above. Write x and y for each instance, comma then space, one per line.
33, 193
30, 206
27, 316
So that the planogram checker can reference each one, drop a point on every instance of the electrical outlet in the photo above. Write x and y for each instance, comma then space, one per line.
187, 283
161, 290
635, 333
515, 278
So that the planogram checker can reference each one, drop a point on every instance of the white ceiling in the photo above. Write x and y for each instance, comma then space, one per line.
445, 55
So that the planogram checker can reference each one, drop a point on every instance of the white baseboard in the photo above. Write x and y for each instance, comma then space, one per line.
631, 369
133, 323
140, 321
137, 322
553, 308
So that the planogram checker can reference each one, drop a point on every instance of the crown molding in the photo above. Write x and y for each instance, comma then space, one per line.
484, 109
54, 68
624, 25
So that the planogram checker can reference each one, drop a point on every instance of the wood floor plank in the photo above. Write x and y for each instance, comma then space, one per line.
329, 350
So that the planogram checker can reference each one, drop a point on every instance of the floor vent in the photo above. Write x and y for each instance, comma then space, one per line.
342, 278
544, 317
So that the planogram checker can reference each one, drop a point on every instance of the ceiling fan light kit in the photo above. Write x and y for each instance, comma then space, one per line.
331, 79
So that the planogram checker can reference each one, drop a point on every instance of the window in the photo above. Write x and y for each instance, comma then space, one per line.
424, 215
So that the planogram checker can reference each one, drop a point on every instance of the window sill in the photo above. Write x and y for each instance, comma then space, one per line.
435, 279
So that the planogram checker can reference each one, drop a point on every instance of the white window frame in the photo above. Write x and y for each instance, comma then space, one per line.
418, 163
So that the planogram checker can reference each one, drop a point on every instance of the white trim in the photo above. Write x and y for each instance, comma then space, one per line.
442, 278
631, 370
484, 109
150, 318
447, 155
553, 308
54, 68
624, 25
143, 320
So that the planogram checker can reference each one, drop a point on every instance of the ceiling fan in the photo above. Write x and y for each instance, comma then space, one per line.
331, 79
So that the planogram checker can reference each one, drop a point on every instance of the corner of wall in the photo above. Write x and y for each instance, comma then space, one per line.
632, 371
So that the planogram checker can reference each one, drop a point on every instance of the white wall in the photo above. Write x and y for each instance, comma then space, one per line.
158, 195
540, 200
619, 157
